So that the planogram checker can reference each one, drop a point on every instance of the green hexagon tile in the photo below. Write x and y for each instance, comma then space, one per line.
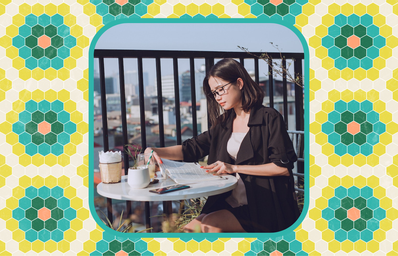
353, 94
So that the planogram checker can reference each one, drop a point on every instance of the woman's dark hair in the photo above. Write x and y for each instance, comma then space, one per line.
230, 70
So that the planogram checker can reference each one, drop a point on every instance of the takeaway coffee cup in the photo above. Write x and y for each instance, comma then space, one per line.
138, 177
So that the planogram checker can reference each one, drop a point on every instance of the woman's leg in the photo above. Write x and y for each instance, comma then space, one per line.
220, 221
194, 225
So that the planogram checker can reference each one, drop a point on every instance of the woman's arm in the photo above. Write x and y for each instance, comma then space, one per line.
269, 169
194, 148
172, 153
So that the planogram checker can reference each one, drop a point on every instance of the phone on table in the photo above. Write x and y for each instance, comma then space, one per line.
169, 189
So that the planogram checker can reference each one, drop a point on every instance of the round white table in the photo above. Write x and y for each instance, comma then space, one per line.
122, 190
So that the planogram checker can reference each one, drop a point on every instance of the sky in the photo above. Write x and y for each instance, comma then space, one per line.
256, 37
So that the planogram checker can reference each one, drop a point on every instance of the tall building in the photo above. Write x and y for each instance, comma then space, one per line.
185, 85
168, 86
131, 82
109, 85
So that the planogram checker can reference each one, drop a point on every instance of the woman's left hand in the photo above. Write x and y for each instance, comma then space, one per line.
219, 168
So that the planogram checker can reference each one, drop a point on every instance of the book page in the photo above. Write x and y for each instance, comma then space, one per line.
185, 172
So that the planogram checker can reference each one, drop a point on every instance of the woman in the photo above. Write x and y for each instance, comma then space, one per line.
247, 140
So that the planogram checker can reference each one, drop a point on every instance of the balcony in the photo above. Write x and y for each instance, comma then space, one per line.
129, 110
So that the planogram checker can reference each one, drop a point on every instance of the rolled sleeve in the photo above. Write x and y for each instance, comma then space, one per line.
280, 147
197, 147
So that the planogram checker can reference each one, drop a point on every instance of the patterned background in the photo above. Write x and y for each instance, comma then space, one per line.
353, 116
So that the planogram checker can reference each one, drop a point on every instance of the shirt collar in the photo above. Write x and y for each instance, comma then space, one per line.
256, 117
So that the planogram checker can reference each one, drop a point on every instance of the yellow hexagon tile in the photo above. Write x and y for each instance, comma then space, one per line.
242, 8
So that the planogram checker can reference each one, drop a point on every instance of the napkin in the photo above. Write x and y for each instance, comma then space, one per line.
110, 157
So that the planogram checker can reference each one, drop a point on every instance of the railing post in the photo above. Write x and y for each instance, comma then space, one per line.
256, 71
142, 102
160, 101
209, 62
270, 83
193, 96
284, 94
298, 95
124, 125
177, 100
105, 126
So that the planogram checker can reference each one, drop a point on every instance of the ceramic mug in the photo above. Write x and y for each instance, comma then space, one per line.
139, 177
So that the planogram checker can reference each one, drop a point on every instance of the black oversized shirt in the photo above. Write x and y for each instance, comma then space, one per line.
271, 200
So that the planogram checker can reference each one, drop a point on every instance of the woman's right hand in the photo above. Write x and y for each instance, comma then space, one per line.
154, 155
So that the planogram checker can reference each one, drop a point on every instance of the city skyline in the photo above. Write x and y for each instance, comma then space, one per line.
258, 37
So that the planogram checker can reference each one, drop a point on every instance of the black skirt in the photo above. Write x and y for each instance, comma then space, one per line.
278, 211
241, 213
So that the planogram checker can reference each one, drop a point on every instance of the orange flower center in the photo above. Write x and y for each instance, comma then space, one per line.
353, 214
276, 253
44, 214
353, 41
353, 127
44, 41
121, 253
44, 127
121, 2
276, 2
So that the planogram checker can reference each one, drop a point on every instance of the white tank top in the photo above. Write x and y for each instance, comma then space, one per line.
238, 196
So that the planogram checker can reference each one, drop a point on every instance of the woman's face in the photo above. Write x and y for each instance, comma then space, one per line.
231, 95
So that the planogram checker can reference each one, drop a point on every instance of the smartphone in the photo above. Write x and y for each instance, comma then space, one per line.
169, 189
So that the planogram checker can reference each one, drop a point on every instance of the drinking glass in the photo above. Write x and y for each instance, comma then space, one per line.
142, 160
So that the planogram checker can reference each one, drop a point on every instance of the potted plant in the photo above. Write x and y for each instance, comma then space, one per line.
138, 174
132, 151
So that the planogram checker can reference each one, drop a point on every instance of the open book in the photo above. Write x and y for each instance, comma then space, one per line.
182, 172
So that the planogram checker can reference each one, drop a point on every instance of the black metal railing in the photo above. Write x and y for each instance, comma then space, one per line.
297, 138
209, 60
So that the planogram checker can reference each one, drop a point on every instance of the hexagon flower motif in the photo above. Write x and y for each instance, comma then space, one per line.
353, 129
44, 217
46, 211
44, 131
286, 245
357, 41
46, 41
286, 9
353, 41
111, 10
106, 244
44, 44
356, 213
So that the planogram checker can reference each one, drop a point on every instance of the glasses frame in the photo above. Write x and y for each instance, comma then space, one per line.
222, 90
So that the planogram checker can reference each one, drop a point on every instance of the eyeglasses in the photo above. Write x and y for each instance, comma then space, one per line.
221, 90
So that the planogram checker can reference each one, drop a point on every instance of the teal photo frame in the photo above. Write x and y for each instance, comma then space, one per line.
208, 236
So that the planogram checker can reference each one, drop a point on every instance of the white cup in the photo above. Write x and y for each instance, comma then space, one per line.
138, 178
142, 159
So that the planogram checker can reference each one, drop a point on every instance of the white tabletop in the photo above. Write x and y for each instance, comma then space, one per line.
122, 190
